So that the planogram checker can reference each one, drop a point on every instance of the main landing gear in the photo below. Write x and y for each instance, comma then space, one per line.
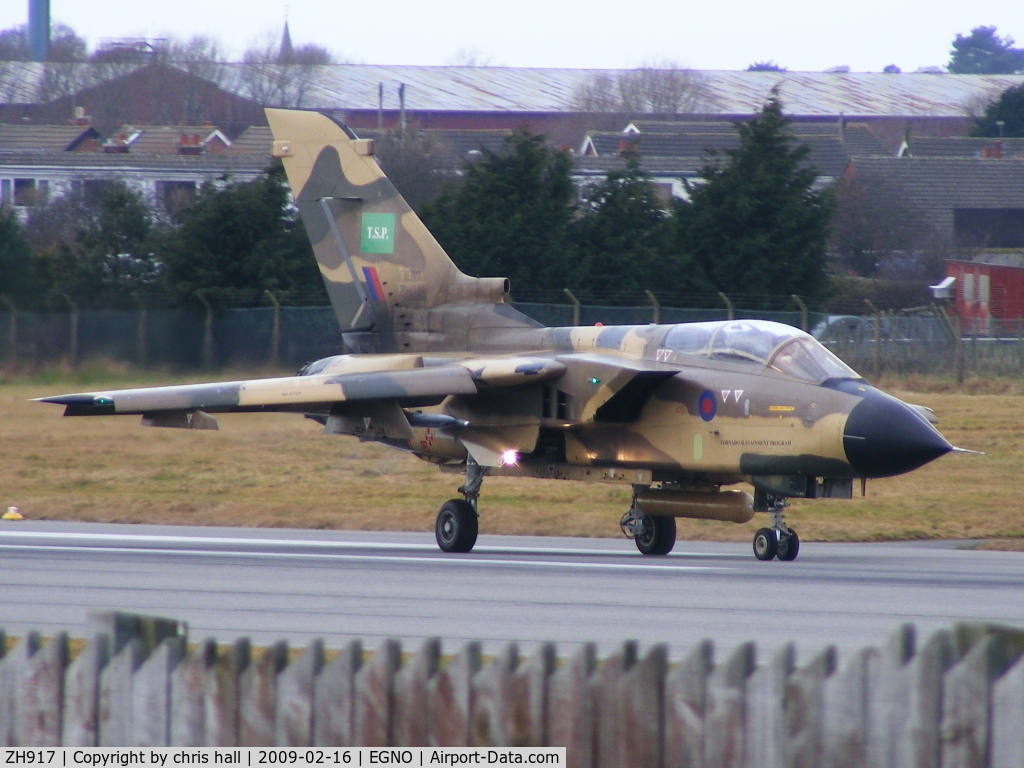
652, 534
457, 521
780, 540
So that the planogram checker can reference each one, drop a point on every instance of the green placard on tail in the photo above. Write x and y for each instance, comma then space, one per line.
377, 233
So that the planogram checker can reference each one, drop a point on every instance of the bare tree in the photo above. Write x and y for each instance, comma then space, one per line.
273, 83
662, 88
418, 166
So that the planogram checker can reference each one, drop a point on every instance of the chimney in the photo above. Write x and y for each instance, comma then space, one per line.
999, 149
380, 106
38, 30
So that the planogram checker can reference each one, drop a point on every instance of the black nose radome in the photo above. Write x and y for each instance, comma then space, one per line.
886, 437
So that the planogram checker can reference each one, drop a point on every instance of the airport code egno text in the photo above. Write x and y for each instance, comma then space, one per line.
105, 757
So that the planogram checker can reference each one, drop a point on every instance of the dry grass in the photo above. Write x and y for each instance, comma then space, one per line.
279, 470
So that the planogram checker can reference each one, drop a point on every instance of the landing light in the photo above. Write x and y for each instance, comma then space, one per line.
509, 458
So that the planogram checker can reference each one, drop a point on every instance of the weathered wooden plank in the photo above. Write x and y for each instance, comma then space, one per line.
889, 685
685, 694
570, 715
40, 695
374, 697
82, 694
529, 728
765, 717
845, 705
115, 700
294, 718
642, 711
188, 696
334, 694
725, 709
12, 668
410, 719
450, 694
257, 700
151, 695
804, 706
1008, 719
223, 694
967, 702
604, 693
919, 743
492, 689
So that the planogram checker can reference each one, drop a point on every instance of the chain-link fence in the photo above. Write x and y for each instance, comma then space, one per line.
292, 336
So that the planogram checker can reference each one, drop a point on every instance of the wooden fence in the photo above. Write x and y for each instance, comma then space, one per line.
956, 700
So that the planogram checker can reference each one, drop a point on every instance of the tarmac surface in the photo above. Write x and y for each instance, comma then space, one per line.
272, 584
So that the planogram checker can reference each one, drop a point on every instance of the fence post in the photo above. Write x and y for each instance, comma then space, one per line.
40, 695
685, 696
188, 697
656, 319
570, 712
605, 694
451, 698
141, 348
13, 667
73, 333
151, 695
805, 745
491, 723
257, 699
207, 332
115, 700
641, 700
275, 331
725, 715
12, 331
334, 693
374, 697
730, 312
765, 717
575, 306
803, 312
81, 693
411, 695
1007, 716
878, 337
295, 698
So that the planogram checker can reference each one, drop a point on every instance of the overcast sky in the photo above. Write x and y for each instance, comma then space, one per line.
798, 34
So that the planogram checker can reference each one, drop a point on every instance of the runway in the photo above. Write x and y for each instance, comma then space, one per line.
271, 584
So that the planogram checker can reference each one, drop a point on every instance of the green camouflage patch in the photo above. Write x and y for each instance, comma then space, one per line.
378, 233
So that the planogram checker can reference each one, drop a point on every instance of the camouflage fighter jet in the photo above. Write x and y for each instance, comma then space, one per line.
443, 367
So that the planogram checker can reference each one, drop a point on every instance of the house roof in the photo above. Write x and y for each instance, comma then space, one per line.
962, 146
520, 89
828, 153
168, 139
942, 184
44, 138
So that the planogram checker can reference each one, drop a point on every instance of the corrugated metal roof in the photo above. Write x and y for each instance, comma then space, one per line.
519, 89
808, 94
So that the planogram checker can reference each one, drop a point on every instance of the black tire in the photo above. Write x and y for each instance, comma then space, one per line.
456, 526
766, 544
657, 535
789, 546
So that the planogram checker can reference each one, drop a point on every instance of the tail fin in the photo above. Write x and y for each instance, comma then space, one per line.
392, 286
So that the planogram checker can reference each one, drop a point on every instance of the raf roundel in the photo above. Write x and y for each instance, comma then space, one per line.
707, 407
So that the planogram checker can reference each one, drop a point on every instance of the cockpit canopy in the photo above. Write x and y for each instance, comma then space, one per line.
774, 345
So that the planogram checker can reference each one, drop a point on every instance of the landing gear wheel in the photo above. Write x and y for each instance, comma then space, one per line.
789, 546
766, 545
456, 526
656, 534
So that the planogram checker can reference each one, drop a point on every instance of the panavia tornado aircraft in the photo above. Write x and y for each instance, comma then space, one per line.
445, 368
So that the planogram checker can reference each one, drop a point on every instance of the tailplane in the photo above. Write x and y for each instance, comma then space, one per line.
392, 286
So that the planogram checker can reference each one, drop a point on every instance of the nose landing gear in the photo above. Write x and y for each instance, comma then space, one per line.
780, 540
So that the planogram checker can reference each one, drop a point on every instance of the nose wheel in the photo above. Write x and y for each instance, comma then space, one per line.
780, 541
